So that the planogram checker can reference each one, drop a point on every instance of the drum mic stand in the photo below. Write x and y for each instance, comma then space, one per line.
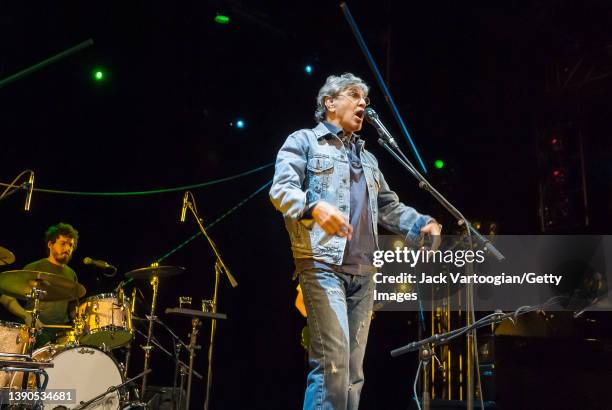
112, 389
220, 266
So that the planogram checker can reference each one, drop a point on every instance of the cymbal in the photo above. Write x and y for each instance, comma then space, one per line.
19, 284
6, 256
151, 271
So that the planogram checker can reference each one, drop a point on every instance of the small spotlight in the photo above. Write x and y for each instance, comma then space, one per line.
439, 164
98, 75
222, 19
308, 69
240, 124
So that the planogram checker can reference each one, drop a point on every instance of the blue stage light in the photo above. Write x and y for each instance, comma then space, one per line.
308, 69
240, 124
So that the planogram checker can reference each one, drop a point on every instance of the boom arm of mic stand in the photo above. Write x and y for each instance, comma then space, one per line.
424, 184
453, 334
111, 389
229, 275
485, 321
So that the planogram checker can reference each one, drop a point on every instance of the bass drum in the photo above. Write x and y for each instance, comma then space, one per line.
86, 371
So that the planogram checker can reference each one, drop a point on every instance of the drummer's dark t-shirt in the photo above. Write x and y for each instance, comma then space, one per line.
53, 312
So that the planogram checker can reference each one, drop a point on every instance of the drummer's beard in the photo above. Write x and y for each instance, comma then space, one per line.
62, 257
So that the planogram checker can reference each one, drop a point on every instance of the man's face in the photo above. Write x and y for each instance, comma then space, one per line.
347, 108
61, 250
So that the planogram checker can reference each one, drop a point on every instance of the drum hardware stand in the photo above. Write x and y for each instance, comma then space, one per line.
181, 368
29, 347
195, 314
195, 324
163, 349
178, 370
36, 293
128, 349
112, 389
147, 348
219, 266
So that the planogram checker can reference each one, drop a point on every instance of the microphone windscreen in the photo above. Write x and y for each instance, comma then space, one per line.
370, 114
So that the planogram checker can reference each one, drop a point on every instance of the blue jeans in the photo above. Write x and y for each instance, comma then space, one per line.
339, 310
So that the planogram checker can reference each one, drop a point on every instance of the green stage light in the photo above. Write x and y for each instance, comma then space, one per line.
222, 19
98, 75
439, 164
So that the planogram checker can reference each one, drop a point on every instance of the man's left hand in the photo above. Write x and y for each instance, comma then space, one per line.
432, 228
435, 230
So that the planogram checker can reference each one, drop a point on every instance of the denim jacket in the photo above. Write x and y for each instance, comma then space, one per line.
311, 166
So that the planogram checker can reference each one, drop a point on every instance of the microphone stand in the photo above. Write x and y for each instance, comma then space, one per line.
385, 141
219, 266
111, 389
493, 318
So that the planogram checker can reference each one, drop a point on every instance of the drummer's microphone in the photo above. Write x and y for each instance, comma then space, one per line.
98, 264
184, 209
30, 189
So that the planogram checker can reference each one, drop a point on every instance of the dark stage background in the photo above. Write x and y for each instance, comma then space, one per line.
479, 87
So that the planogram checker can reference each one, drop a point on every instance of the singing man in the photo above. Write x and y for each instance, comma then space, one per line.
333, 196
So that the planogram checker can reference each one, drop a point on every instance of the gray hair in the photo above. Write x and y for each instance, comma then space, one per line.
333, 86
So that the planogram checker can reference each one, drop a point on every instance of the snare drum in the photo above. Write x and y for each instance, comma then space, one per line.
84, 371
13, 338
107, 323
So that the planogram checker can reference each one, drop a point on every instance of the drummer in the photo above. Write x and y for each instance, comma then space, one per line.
61, 240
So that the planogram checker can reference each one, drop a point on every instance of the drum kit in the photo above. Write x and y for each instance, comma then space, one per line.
82, 359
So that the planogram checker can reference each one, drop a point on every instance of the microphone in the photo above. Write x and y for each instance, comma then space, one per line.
372, 117
184, 209
97, 263
29, 194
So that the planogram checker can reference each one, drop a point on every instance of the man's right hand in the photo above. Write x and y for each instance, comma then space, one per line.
28, 321
332, 220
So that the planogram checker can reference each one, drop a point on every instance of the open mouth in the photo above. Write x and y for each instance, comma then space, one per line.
359, 113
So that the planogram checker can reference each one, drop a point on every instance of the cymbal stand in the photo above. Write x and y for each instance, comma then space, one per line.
35, 295
147, 348
128, 349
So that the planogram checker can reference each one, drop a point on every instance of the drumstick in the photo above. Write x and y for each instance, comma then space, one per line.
58, 326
